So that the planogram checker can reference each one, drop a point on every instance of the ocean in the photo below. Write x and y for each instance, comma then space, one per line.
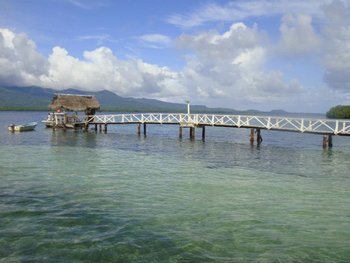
74, 196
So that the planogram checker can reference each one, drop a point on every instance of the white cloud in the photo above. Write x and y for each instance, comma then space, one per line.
337, 46
298, 36
101, 69
241, 9
20, 63
229, 67
156, 40
222, 69
100, 39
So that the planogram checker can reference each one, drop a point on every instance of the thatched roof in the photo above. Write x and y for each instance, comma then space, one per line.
71, 102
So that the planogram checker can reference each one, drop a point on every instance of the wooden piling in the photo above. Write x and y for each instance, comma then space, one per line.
203, 133
258, 136
180, 132
95, 127
139, 129
192, 133
252, 136
330, 140
105, 129
325, 141
144, 129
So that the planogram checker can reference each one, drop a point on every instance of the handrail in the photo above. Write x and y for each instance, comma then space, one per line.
303, 125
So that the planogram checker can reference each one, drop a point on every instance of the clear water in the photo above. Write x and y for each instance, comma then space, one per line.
116, 197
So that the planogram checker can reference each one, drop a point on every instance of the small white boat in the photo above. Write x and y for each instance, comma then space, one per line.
22, 127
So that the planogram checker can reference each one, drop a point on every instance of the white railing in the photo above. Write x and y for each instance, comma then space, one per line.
307, 125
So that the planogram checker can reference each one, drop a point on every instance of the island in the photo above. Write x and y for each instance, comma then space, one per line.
339, 112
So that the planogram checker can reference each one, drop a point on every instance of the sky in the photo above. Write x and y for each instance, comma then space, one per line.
239, 54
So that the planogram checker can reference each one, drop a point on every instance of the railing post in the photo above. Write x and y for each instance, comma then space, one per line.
336, 127
302, 125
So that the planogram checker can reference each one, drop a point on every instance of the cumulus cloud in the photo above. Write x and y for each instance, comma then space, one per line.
99, 69
230, 67
221, 68
337, 46
20, 63
298, 36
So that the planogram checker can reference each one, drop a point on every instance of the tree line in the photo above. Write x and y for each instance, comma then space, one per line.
339, 112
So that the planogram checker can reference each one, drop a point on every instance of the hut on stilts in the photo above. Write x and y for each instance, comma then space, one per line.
65, 107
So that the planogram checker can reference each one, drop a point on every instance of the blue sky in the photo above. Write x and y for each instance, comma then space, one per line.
241, 54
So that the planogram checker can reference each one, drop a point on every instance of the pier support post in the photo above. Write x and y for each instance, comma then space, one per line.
203, 133
330, 141
144, 129
259, 138
180, 132
192, 133
100, 127
139, 129
95, 127
252, 136
105, 129
327, 141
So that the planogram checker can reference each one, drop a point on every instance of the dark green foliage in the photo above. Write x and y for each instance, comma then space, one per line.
339, 112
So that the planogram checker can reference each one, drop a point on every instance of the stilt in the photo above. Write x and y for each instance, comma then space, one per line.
330, 141
252, 136
180, 132
203, 133
95, 127
192, 133
144, 129
105, 130
259, 139
139, 129
100, 127
325, 141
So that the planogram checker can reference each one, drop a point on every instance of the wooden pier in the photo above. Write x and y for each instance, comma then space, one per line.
325, 127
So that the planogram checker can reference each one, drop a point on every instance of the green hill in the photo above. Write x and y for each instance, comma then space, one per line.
36, 98
339, 112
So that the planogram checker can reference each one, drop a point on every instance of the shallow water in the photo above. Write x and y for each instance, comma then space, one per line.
116, 197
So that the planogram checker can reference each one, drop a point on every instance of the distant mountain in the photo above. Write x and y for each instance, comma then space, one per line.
36, 98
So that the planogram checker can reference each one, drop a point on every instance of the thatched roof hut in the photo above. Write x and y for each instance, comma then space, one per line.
70, 102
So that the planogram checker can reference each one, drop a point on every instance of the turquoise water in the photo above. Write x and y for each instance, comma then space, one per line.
116, 197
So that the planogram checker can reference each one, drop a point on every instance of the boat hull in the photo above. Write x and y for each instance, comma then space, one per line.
23, 127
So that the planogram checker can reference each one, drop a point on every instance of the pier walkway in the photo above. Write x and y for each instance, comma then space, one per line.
328, 127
